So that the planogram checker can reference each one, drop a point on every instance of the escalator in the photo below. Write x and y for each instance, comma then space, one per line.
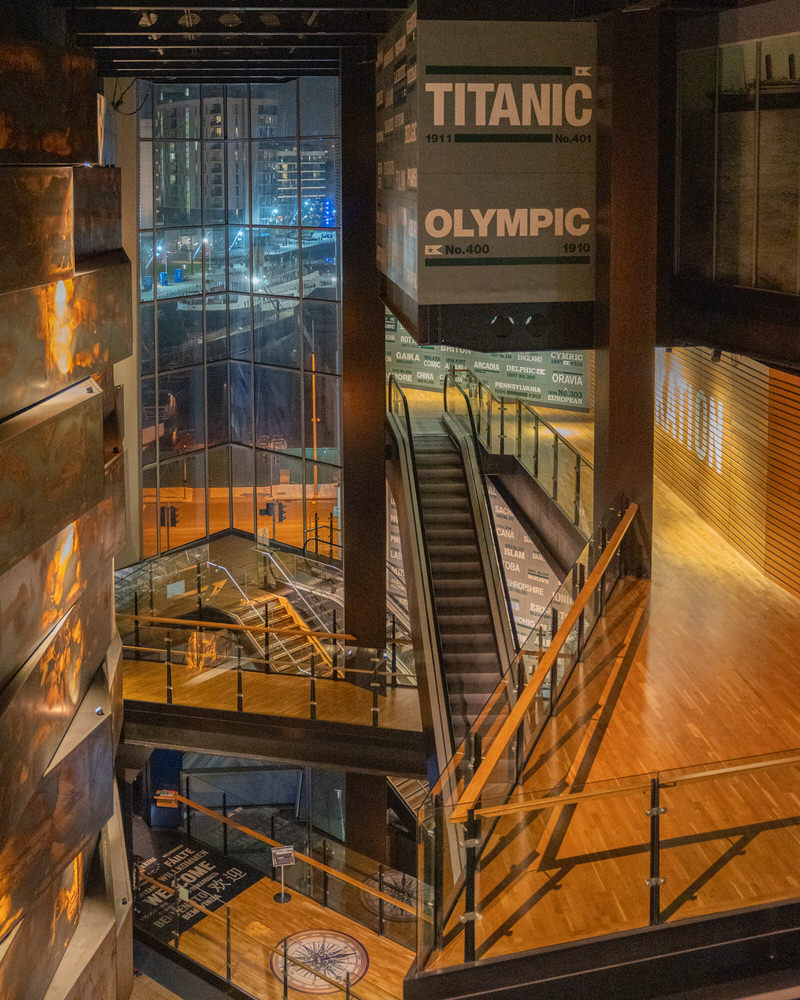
457, 598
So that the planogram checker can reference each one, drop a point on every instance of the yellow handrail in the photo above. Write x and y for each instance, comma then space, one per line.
235, 627
500, 744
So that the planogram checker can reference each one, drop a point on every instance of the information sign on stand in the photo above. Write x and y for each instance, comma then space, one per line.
281, 857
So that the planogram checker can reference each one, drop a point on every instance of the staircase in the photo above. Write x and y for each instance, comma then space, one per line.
286, 653
468, 643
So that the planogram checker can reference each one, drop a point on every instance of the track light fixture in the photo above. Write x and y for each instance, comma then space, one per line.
188, 19
230, 20
147, 20
270, 20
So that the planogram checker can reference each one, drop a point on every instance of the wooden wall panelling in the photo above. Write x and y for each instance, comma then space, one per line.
58, 675
36, 218
783, 499
54, 335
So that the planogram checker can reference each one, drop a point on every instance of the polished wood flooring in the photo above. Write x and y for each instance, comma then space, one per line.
698, 666
271, 694
259, 925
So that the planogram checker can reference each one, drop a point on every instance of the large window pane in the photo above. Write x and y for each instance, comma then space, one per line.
698, 71
144, 102
149, 513
239, 259
323, 519
321, 264
182, 501
180, 332
145, 185
177, 111
276, 261
216, 327
147, 339
241, 403
277, 409
182, 425
238, 183
737, 160
280, 498
319, 182
178, 262
276, 331
319, 105
236, 110
275, 190
214, 183
242, 488
217, 403
779, 165
177, 183
213, 111
219, 507
148, 387
216, 260
322, 340
273, 110
146, 266
322, 418
240, 326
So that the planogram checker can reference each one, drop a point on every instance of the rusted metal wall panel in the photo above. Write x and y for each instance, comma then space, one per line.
54, 335
98, 210
36, 219
48, 104
52, 461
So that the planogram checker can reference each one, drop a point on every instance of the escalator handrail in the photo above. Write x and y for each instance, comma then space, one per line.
450, 378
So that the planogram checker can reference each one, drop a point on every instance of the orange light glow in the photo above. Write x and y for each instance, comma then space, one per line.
63, 580
204, 650
69, 899
69, 320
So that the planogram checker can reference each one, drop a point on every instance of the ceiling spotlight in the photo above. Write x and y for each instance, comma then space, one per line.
230, 20
309, 17
188, 19
147, 20
270, 20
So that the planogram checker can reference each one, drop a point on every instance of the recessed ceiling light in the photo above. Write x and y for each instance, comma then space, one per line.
230, 20
188, 20
147, 20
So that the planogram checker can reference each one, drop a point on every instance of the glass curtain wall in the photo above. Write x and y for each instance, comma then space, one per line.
240, 312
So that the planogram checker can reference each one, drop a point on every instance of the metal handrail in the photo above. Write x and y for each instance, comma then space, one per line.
502, 741
237, 627
291, 584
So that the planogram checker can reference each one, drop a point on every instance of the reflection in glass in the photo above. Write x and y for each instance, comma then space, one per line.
238, 183
182, 501
697, 77
242, 488
177, 183
779, 165
146, 266
240, 326
322, 499
275, 183
213, 123
241, 403
277, 409
216, 313
236, 110
148, 388
737, 161
145, 185
147, 339
276, 337
279, 500
217, 403
219, 507
214, 253
276, 265
144, 102
321, 336
178, 263
273, 109
182, 417
320, 263
177, 111
180, 332
149, 513
239, 259
319, 182
213, 183
319, 105
322, 417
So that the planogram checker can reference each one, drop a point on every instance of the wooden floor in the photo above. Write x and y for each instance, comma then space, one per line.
698, 666
271, 694
259, 924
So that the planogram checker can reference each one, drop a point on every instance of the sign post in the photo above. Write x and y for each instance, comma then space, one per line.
281, 857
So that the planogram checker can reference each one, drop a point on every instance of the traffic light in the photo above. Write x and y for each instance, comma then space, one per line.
169, 516
281, 510
267, 511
